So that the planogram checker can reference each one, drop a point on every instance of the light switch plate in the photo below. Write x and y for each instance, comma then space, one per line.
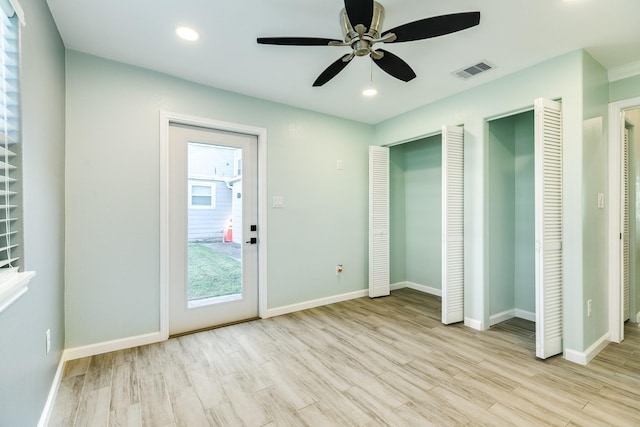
278, 202
600, 200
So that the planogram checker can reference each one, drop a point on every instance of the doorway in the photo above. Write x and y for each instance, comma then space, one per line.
511, 218
426, 180
213, 225
624, 224
631, 222
524, 228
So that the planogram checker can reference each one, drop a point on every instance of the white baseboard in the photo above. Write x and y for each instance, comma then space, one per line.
278, 311
53, 392
582, 358
415, 286
114, 345
501, 317
399, 285
526, 315
510, 314
473, 323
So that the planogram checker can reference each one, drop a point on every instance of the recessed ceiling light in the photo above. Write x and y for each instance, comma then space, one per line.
370, 92
187, 33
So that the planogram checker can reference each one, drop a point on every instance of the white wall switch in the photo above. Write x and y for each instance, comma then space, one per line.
600, 200
278, 202
339, 165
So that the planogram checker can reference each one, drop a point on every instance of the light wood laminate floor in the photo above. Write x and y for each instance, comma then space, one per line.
364, 362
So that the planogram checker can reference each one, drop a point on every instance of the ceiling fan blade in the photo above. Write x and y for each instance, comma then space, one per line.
296, 41
333, 70
359, 12
393, 65
434, 26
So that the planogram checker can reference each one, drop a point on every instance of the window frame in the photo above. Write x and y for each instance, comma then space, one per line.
198, 183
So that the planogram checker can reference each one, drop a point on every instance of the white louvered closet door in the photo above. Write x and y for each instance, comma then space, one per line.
625, 226
452, 224
548, 227
379, 222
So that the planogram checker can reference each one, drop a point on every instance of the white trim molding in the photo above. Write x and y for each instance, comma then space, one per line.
473, 324
624, 71
113, 345
510, 314
167, 118
15, 287
53, 393
582, 358
286, 309
417, 287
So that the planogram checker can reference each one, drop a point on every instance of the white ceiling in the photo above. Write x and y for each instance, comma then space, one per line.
513, 34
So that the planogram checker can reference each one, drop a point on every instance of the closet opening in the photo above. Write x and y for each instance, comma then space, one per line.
415, 213
428, 254
511, 228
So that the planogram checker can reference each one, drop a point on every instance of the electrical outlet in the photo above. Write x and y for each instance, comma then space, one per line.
589, 308
48, 342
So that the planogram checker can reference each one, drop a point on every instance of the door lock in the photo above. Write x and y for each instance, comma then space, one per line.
252, 241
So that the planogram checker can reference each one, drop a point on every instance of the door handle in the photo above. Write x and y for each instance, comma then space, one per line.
252, 241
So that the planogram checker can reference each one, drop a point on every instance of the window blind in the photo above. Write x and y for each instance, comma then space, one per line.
9, 138
13, 283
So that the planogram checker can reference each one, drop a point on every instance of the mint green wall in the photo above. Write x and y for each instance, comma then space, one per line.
594, 220
26, 372
624, 89
558, 78
397, 217
113, 195
501, 203
525, 295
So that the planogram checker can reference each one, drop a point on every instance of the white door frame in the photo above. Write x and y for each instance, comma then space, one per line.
166, 118
616, 329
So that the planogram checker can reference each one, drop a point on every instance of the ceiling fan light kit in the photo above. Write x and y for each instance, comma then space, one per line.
361, 22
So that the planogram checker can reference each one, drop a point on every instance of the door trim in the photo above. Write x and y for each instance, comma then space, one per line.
616, 329
167, 118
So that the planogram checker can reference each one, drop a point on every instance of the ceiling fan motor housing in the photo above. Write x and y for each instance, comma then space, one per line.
362, 46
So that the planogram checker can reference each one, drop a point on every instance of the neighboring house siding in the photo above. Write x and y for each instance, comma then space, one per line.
206, 224
209, 165
208, 161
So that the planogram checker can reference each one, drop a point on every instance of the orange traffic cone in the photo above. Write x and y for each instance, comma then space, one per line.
228, 236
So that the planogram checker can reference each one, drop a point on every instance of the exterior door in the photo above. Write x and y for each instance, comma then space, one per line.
548, 227
213, 213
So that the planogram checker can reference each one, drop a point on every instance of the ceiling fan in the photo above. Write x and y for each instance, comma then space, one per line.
361, 22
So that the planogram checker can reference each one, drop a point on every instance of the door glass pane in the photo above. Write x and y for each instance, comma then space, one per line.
214, 250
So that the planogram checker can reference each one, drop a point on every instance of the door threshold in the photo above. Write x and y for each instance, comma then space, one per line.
209, 328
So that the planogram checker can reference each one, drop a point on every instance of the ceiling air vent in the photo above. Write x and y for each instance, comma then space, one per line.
473, 70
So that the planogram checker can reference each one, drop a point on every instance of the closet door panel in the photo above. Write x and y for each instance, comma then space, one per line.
548, 227
379, 268
452, 224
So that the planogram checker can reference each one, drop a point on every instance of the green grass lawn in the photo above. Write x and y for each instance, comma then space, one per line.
212, 274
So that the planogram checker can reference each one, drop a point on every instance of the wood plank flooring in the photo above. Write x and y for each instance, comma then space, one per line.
364, 362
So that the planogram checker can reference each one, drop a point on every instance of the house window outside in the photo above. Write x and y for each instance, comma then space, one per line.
202, 195
13, 281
